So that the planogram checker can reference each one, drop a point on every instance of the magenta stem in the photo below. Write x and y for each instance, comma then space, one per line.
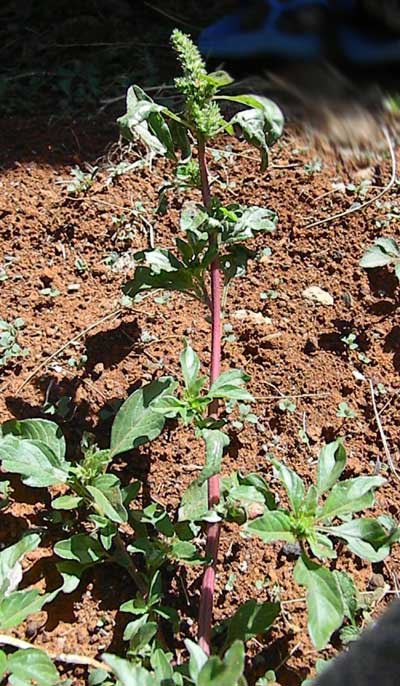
213, 530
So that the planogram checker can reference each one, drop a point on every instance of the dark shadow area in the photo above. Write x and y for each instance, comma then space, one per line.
383, 282
274, 657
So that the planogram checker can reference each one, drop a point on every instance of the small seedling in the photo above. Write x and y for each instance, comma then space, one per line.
311, 521
350, 341
286, 405
383, 252
345, 412
314, 166
10, 349
81, 181
81, 266
50, 292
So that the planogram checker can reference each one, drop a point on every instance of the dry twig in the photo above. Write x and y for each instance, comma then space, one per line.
382, 433
365, 204
68, 658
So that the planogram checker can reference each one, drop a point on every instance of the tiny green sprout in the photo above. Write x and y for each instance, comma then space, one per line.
82, 180
345, 412
269, 295
286, 405
50, 292
363, 358
350, 341
80, 265
230, 584
314, 166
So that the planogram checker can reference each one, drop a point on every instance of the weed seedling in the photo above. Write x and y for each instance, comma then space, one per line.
211, 253
318, 517
345, 412
10, 349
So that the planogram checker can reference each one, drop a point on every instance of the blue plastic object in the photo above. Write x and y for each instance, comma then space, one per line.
228, 39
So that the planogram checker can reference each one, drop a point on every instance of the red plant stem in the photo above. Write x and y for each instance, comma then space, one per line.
214, 529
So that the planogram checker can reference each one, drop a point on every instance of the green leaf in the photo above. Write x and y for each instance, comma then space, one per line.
163, 271
197, 660
66, 502
261, 126
136, 422
133, 124
251, 619
321, 546
10, 567
350, 496
309, 507
227, 673
215, 441
294, 485
331, 463
34, 461
367, 538
349, 594
219, 78
106, 493
16, 607
128, 674
40, 430
31, 666
81, 548
190, 365
384, 251
324, 600
234, 263
194, 219
273, 525
162, 668
249, 222
71, 572
230, 386
3, 664
194, 503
